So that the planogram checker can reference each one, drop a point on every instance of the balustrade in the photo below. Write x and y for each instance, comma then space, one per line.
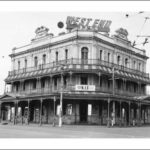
77, 61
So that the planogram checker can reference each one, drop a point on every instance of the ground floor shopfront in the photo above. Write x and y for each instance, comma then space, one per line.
77, 109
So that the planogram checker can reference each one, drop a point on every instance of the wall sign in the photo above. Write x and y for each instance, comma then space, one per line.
88, 24
85, 87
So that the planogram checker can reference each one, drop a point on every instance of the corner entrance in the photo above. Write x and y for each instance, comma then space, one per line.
83, 112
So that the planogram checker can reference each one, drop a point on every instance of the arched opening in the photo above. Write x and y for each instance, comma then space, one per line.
84, 55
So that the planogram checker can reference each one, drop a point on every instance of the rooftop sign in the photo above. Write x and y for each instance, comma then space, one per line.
88, 24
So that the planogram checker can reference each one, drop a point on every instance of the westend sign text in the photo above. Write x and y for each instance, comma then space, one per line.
88, 24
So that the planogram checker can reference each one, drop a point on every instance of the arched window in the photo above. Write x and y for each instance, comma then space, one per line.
56, 56
134, 64
118, 60
84, 54
126, 62
44, 59
35, 61
25, 63
139, 66
101, 54
108, 57
18, 65
66, 54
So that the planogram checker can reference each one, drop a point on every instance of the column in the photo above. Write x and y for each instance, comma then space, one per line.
22, 112
108, 117
54, 100
113, 114
39, 85
113, 80
15, 113
41, 106
28, 114
129, 112
50, 84
0, 112
99, 74
120, 114
21, 86
139, 110
61, 102
139, 88
11, 87
70, 82
124, 85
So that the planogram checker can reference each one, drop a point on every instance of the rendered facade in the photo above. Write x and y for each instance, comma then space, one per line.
96, 78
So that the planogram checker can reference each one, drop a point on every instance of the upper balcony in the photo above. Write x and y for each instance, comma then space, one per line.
75, 64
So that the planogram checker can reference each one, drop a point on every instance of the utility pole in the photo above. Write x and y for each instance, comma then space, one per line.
61, 99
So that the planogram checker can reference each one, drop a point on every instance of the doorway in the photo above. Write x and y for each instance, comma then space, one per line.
83, 112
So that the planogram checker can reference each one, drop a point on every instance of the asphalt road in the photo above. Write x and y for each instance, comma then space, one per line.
72, 131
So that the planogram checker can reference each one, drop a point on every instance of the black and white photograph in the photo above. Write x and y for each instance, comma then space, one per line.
68, 73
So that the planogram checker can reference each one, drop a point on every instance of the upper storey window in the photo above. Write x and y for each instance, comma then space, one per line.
25, 63
44, 59
140, 66
126, 62
35, 61
101, 54
56, 56
18, 65
108, 57
134, 64
84, 54
66, 54
118, 60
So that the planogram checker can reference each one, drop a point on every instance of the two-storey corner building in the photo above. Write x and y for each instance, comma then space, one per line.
97, 79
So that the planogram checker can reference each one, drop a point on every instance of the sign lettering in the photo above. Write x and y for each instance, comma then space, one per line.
85, 87
87, 24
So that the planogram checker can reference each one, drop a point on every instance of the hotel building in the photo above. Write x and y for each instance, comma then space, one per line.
81, 77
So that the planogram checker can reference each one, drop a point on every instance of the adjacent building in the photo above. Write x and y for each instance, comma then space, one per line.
82, 76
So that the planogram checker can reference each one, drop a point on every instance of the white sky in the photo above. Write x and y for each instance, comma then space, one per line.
17, 27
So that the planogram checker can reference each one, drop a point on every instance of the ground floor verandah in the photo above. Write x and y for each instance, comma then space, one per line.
106, 111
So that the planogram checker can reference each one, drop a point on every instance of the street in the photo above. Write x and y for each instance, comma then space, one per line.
72, 131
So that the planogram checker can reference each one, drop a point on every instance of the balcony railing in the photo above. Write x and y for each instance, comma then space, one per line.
77, 61
44, 91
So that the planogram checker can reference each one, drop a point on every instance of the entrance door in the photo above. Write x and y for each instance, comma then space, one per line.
83, 112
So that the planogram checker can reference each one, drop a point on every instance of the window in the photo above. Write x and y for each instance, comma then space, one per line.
100, 56
44, 59
66, 54
43, 83
84, 53
55, 82
18, 65
126, 62
65, 81
69, 109
140, 66
35, 61
84, 80
118, 60
108, 57
56, 56
134, 64
25, 63
34, 84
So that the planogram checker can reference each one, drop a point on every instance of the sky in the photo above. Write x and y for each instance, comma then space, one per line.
17, 28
